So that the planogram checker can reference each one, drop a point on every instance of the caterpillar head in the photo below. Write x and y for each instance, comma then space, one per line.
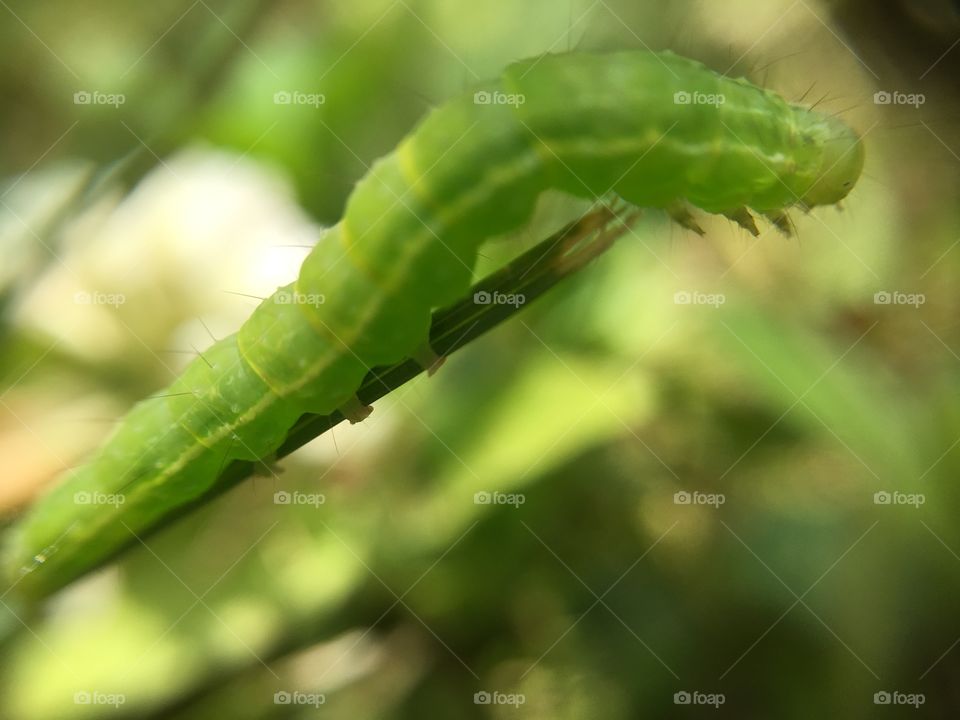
841, 159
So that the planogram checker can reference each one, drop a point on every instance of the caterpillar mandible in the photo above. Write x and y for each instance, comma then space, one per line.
656, 129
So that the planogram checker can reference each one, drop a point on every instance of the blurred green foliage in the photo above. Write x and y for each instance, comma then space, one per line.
600, 596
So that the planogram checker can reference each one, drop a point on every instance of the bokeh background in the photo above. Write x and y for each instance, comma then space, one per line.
824, 370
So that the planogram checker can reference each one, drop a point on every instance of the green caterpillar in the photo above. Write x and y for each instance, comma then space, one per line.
656, 129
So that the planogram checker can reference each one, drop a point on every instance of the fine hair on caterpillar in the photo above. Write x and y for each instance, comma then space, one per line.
654, 129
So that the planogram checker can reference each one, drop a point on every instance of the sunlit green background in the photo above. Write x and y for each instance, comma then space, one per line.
796, 398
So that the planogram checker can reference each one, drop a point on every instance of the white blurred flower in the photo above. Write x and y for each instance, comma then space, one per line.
132, 279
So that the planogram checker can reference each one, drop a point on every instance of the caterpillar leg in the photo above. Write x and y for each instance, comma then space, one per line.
355, 411
428, 359
683, 217
782, 222
742, 217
